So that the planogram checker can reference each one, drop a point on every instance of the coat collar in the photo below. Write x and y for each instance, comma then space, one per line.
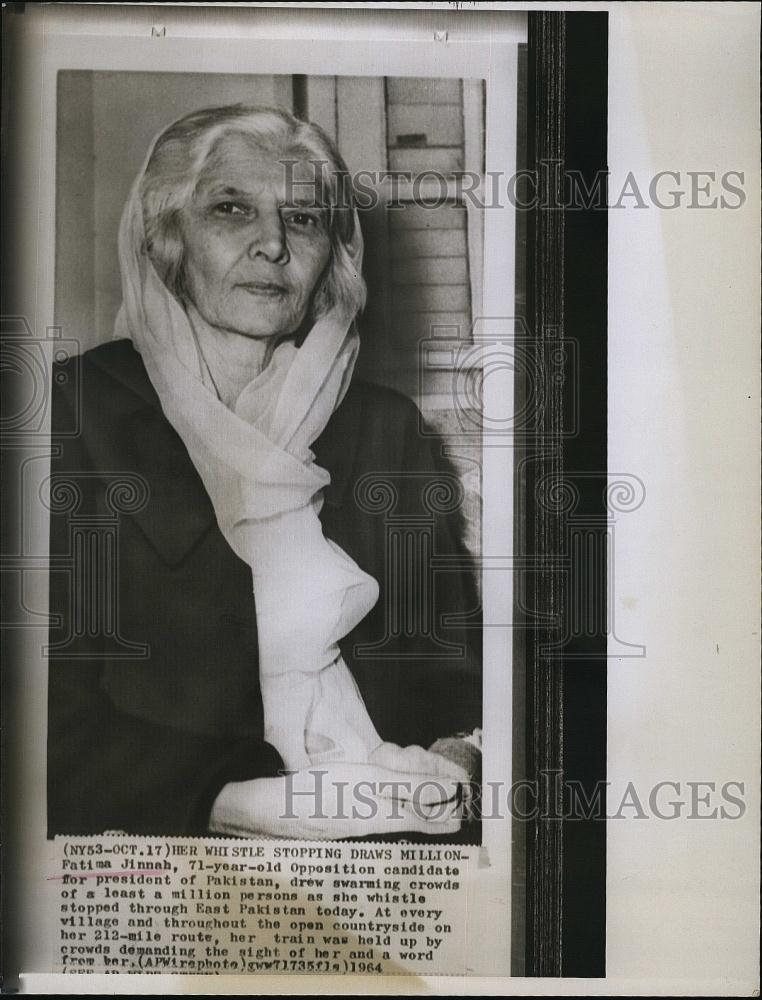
179, 512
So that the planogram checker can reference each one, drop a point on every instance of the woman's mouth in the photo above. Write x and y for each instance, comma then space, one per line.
268, 289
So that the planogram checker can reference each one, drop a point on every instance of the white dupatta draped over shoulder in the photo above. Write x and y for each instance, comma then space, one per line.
256, 463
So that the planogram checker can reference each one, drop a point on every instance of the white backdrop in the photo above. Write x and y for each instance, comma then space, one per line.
682, 895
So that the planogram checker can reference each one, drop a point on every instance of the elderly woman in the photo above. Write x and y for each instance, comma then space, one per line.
252, 573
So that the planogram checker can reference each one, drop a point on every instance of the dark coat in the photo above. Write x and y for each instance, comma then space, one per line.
154, 699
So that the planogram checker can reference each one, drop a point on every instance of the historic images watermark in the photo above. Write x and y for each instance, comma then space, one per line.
547, 187
318, 795
37, 368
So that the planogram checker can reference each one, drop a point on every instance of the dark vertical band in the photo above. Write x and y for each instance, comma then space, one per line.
564, 478
584, 685
545, 311
299, 96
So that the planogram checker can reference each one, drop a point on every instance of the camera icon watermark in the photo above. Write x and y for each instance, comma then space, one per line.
30, 366
476, 367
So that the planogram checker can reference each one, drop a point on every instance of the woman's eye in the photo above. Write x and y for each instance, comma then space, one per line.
229, 208
303, 219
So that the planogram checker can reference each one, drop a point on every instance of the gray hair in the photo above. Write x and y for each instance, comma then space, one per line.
179, 157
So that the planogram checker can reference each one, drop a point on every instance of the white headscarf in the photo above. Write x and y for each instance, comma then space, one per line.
256, 464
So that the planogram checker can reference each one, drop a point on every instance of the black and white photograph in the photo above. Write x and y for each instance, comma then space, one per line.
378, 498
177, 695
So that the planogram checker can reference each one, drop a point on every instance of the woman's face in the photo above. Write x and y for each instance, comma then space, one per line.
252, 257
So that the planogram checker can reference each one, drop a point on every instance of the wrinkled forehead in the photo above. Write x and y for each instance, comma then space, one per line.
255, 165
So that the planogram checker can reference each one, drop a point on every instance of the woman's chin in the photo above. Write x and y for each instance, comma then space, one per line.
260, 331
267, 323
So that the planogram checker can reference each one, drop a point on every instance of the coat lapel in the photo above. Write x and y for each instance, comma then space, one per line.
179, 512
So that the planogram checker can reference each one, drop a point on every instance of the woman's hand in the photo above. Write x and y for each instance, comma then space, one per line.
402, 790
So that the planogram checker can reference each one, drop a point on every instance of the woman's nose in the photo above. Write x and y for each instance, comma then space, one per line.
269, 238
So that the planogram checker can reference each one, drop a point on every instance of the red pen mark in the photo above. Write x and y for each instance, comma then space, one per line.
127, 871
